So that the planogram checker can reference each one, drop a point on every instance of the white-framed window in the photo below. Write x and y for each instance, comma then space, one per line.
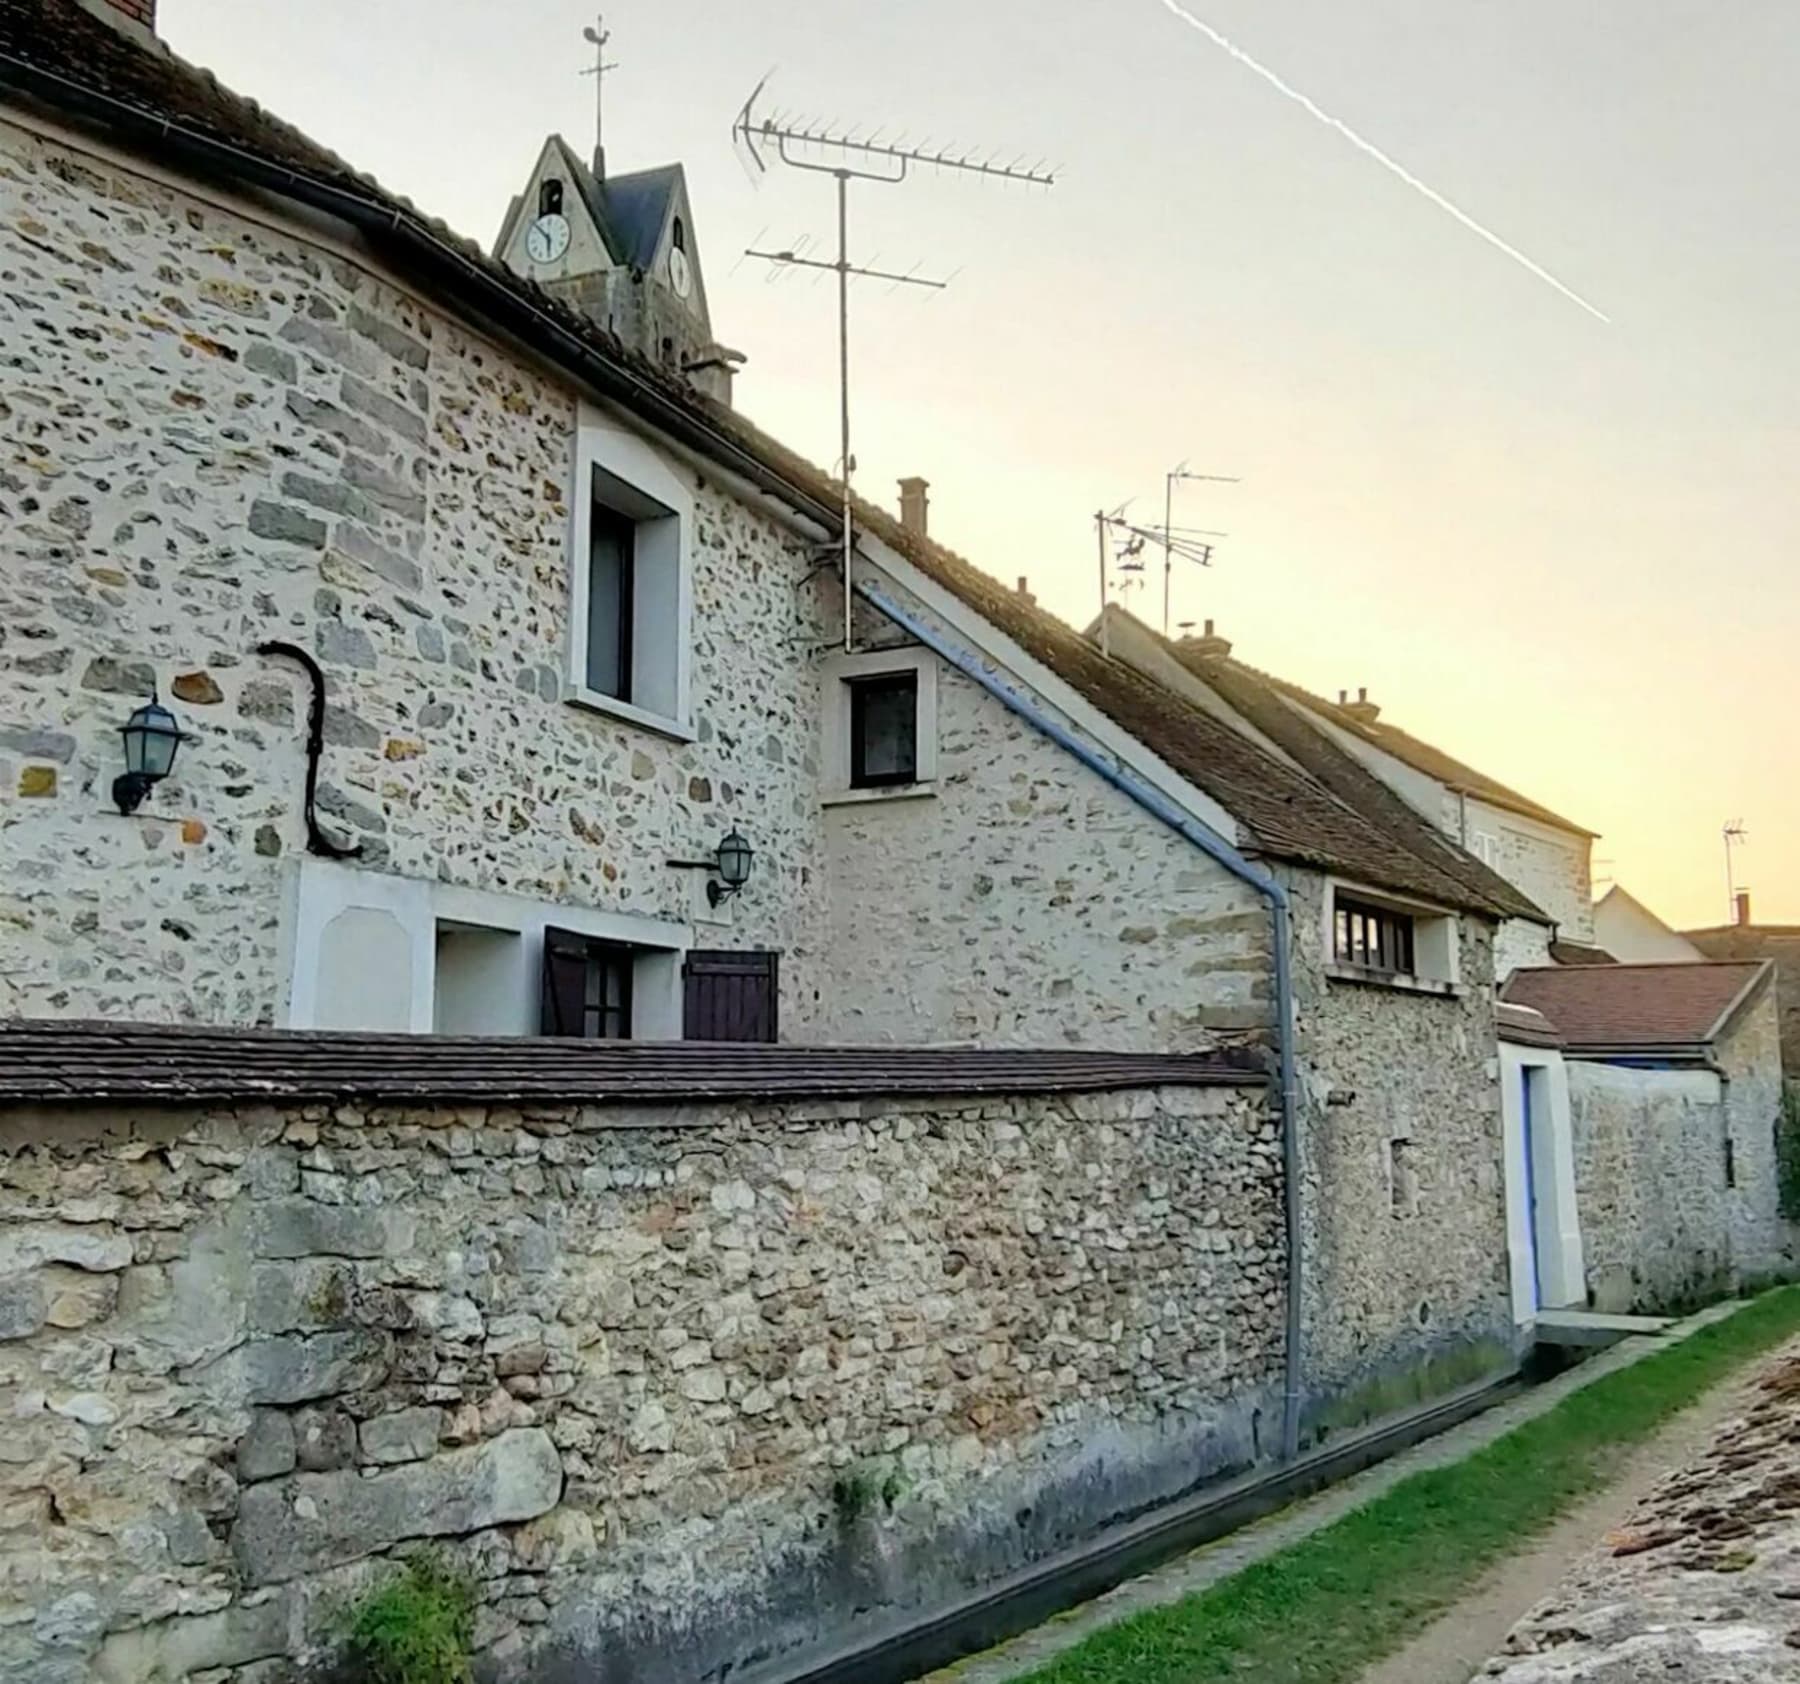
1374, 937
1485, 846
880, 725
631, 540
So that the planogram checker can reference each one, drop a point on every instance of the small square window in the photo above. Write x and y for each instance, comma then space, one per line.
884, 730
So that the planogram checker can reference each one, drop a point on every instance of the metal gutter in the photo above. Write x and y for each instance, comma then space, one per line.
1029, 1597
1216, 848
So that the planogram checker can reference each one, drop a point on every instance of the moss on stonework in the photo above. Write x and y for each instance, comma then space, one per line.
1436, 1377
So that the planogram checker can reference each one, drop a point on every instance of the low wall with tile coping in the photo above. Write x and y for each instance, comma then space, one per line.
613, 1360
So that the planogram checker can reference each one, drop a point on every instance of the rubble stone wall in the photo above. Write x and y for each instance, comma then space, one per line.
215, 432
676, 1384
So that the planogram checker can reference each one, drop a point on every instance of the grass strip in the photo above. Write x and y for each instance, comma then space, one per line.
1325, 1609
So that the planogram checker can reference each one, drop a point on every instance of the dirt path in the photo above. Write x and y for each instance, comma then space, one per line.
1461, 1640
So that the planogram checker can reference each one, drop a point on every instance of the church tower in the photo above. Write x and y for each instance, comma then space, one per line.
621, 250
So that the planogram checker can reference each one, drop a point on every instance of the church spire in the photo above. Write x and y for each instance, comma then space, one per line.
597, 35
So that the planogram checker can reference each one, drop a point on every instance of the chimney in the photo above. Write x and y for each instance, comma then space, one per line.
1209, 646
1743, 909
136, 18
1025, 591
915, 506
1362, 708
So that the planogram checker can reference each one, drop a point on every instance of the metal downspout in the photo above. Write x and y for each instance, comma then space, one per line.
1216, 848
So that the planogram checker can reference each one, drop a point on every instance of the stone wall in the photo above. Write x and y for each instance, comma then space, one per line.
1551, 866
1406, 1202
215, 432
614, 1361
1656, 1216
1750, 1056
1026, 901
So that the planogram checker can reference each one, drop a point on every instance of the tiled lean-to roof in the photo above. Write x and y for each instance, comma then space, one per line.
1638, 1008
63, 1062
54, 53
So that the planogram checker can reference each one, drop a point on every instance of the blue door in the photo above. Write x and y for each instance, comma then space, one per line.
1531, 1204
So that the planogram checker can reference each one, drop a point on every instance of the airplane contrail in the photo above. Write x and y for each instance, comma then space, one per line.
1379, 156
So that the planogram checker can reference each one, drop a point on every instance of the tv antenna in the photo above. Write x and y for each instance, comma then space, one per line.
1735, 836
597, 35
1122, 544
803, 144
1170, 479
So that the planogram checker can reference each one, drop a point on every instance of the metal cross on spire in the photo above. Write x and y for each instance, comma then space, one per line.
597, 35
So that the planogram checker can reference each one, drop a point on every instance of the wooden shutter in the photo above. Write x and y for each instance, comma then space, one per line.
564, 1010
731, 996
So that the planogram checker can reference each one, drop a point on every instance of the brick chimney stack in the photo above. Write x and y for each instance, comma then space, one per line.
915, 506
136, 18
1743, 909
1209, 646
1362, 708
1025, 591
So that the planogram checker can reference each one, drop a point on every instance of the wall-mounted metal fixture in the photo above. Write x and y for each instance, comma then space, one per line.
317, 842
152, 737
732, 862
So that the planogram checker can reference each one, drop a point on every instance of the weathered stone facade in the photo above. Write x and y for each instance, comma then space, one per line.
1650, 1169
1750, 1056
214, 432
1406, 1203
614, 1360
1677, 1170
1024, 901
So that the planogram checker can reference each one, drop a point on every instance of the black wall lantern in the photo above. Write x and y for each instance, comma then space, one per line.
733, 862
151, 738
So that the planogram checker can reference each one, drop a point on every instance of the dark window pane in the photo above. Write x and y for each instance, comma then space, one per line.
611, 573
884, 730
550, 200
587, 987
1372, 937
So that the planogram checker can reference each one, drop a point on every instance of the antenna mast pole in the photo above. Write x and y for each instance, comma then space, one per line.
799, 146
1733, 832
1168, 538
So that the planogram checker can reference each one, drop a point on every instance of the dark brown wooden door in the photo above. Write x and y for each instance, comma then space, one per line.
731, 996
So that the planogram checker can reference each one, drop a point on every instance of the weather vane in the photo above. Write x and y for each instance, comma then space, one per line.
597, 35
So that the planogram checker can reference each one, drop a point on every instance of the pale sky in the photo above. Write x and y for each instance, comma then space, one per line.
1562, 550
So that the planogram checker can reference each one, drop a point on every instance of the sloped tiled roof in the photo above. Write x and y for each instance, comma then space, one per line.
1525, 1027
1259, 700
1433, 762
74, 1062
54, 50
1638, 1007
1574, 953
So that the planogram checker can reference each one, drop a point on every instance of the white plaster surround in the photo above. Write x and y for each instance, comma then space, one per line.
1437, 942
363, 948
663, 597
839, 672
1555, 1233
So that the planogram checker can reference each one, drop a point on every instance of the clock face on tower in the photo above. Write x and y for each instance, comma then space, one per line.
681, 277
547, 238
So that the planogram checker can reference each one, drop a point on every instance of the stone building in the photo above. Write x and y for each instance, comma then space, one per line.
1777, 943
1627, 930
1674, 1081
518, 703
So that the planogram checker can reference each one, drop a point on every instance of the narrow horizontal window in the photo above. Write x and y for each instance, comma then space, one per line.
1372, 937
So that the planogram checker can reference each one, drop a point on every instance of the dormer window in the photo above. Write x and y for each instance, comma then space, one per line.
550, 198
